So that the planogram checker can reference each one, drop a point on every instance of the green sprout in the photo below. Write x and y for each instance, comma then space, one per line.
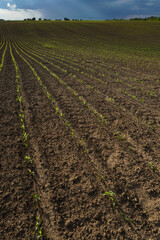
67, 124
111, 196
36, 197
125, 217
48, 95
25, 136
23, 127
31, 172
19, 98
38, 228
57, 109
134, 97
27, 158
21, 115
148, 124
40, 234
72, 133
154, 127
80, 141
153, 167
120, 135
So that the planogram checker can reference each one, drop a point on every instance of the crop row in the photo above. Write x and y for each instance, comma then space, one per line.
38, 230
3, 56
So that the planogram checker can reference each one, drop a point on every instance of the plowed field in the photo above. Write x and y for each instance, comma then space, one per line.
80, 132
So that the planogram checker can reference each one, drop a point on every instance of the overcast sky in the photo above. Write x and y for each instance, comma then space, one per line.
85, 9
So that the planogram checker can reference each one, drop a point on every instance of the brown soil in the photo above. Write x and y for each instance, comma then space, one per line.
71, 183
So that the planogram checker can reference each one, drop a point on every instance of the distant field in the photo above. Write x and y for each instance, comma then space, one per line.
80, 130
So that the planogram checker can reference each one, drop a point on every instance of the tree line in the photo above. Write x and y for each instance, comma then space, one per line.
152, 18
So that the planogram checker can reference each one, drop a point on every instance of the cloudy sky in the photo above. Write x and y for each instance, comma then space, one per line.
85, 9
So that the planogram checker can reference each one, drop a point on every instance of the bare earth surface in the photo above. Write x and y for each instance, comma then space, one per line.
93, 130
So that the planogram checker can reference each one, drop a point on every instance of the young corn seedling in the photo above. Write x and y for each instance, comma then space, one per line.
57, 109
67, 124
80, 142
111, 196
125, 217
22, 126
31, 172
40, 234
25, 139
153, 127
72, 132
48, 95
19, 98
147, 125
100, 175
28, 159
152, 166
152, 93
120, 135
38, 229
21, 115
37, 198
134, 97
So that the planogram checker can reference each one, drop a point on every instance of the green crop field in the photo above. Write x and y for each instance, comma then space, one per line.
80, 130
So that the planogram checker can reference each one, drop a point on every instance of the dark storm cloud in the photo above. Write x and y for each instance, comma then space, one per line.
89, 9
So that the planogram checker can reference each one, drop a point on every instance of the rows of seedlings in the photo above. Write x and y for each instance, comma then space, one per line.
150, 94
148, 123
98, 187
149, 126
71, 106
